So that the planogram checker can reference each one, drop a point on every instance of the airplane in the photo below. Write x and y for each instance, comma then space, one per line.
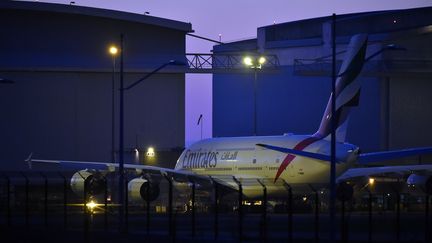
273, 161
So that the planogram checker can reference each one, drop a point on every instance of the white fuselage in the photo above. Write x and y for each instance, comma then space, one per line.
239, 157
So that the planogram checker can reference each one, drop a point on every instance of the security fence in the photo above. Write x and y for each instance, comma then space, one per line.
199, 210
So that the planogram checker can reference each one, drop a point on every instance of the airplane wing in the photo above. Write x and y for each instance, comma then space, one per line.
355, 173
363, 159
389, 155
226, 181
178, 175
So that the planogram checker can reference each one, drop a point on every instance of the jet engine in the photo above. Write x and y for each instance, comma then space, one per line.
94, 181
422, 181
138, 189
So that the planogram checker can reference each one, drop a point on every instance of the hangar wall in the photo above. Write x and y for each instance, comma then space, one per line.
60, 104
394, 110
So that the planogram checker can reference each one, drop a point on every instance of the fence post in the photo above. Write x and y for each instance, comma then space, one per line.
126, 203
45, 198
370, 217
240, 208
86, 220
316, 216
264, 213
427, 234
193, 208
8, 208
26, 199
170, 230
64, 200
216, 208
343, 238
148, 205
290, 211
106, 205
397, 216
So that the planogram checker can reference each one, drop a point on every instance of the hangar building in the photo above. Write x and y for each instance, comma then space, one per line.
395, 104
60, 105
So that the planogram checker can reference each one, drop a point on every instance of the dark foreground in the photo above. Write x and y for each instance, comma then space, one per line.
276, 228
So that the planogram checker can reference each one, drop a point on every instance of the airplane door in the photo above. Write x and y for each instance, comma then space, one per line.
291, 171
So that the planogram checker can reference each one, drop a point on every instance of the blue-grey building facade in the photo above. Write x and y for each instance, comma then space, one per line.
60, 105
394, 110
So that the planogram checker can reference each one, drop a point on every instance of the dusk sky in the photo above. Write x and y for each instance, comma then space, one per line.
234, 20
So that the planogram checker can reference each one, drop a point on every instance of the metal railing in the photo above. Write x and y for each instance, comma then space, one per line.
209, 63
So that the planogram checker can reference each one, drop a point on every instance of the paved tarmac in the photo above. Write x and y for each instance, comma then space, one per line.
384, 228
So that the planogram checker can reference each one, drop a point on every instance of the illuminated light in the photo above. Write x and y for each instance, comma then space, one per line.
262, 60
394, 21
248, 61
113, 50
150, 152
304, 199
258, 203
136, 150
388, 194
371, 181
91, 205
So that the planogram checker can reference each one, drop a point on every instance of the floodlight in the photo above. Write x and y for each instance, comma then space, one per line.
248, 61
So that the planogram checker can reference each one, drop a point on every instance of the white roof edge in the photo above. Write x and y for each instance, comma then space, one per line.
97, 12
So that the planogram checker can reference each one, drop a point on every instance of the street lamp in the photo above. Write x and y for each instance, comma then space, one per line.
121, 127
255, 63
113, 50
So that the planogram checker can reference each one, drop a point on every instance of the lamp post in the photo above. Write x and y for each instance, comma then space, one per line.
255, 63
122, 185
332, 203
113, 50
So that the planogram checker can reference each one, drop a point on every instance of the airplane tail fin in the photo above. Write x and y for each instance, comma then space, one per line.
29, 160
347, 89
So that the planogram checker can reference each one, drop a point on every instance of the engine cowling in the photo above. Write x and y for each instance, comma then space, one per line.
138, 189
94, 181
424, 182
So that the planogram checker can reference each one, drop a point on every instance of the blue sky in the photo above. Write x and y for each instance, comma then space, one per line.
234, 20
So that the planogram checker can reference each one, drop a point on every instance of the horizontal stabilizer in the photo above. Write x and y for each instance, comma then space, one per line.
296, 152
389, 155
385, 171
